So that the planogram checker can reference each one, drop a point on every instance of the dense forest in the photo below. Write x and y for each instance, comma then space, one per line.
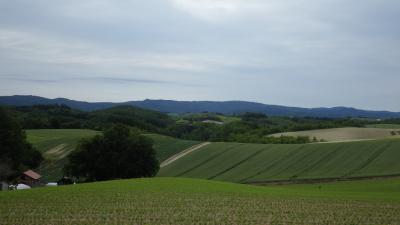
245, 127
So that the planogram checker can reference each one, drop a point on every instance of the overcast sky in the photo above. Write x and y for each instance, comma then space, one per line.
307, 53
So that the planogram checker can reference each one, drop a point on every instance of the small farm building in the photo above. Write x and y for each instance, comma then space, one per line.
30, 178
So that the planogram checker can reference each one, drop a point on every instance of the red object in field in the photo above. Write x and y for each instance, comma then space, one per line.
30, 178
32, 174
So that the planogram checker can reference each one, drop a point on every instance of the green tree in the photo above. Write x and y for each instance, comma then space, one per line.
117, 154
16, 154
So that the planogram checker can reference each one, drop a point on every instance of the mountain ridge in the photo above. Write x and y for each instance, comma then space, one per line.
224, 107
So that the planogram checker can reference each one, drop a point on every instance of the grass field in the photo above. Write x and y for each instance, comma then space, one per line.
245, 163
345, 134
189, 201
56, 144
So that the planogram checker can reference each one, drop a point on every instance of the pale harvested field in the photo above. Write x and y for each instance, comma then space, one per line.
345, 134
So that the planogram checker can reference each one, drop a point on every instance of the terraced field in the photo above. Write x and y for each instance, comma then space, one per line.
189, 201
346, 134
246, 163
56, 144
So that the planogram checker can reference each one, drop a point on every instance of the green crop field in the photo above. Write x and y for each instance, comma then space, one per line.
189, 201
345, 134
168, 146
245, 163
56, 144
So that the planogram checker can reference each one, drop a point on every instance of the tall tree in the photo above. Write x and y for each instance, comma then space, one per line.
16, 154
117, 154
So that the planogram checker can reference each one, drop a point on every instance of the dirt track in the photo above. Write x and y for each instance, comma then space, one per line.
182, 154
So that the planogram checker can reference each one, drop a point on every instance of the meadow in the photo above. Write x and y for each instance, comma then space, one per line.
191, 201
248, 163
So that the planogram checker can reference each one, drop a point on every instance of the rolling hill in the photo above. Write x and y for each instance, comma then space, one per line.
345, 134
252, 163
190, 201
243, 163
227, 107
56, 144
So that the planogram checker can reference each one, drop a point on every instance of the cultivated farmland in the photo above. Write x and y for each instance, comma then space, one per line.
246, 163
56, 144
345, 134
188, 201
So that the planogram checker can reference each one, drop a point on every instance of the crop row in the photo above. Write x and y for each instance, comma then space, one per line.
253, 162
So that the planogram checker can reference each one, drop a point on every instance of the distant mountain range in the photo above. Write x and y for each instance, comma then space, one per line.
227, 107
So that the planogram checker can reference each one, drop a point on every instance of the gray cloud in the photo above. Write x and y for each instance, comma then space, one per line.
304, 53
25, 78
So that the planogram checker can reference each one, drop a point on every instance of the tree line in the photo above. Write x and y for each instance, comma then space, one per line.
245, 127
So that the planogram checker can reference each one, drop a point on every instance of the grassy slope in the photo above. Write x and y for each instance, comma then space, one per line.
188, 201
343, 134
255, 162
57, 144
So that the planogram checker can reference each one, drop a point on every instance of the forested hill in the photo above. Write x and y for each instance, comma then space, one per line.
228, 107
237, 107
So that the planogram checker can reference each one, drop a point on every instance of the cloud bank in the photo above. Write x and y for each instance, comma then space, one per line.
306, 53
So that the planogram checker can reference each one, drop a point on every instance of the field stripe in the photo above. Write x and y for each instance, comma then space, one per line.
312, 151
236, 164
374, 156
276, 162
206, 160
322, 159
324, 180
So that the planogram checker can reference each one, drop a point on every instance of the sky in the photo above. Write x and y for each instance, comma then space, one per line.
307, 53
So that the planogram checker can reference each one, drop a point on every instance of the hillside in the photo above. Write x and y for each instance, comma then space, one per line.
56, 144
247, 163
227, 107
189, 201
345, 134
242, 162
